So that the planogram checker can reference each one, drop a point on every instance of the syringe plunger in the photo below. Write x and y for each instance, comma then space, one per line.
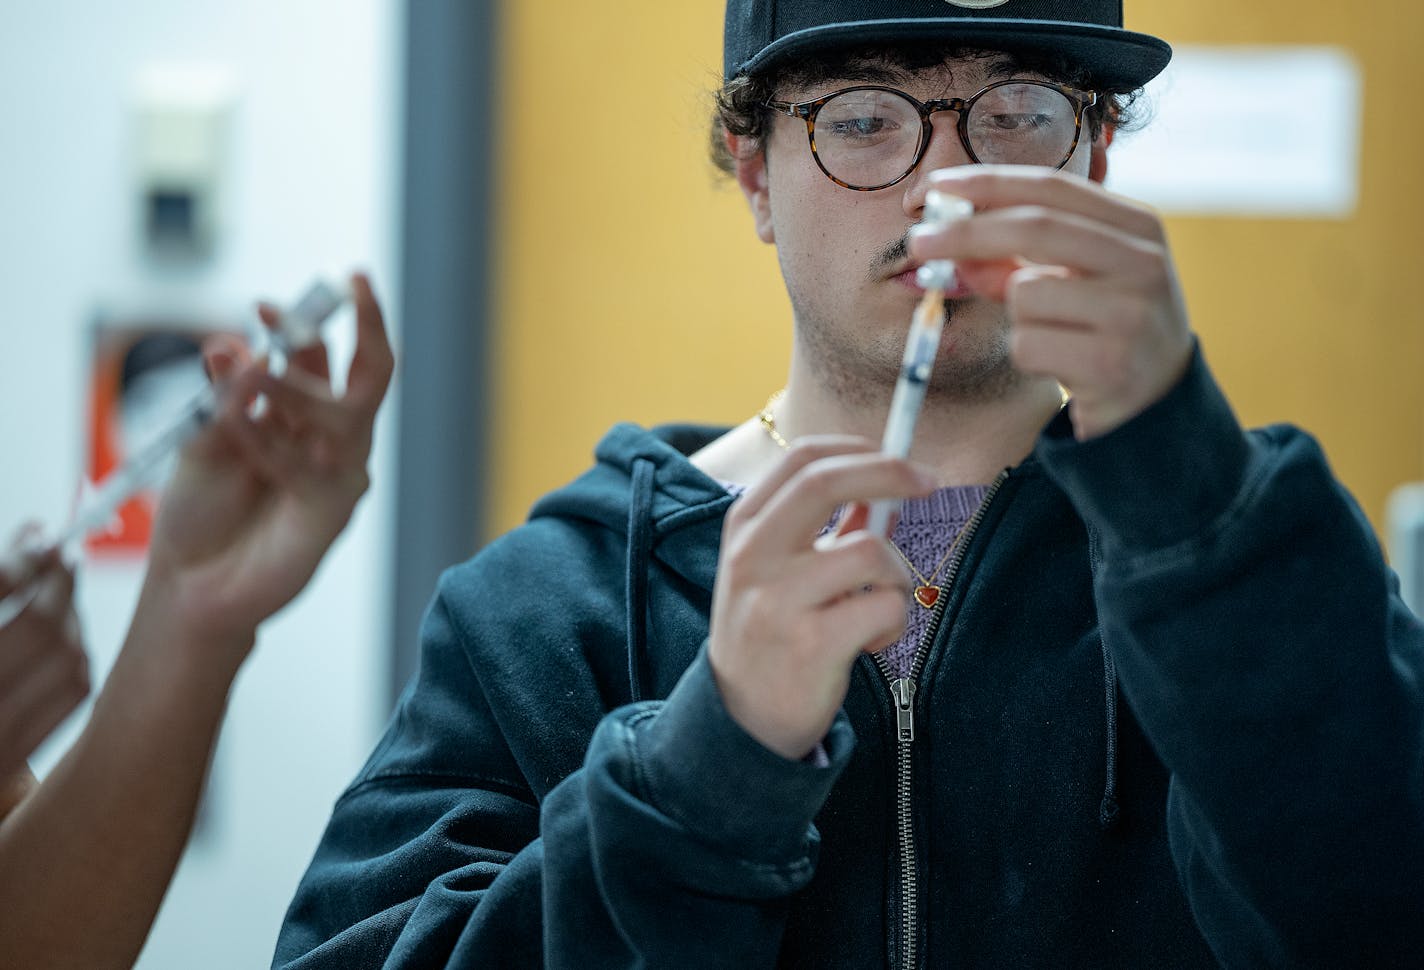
941, 208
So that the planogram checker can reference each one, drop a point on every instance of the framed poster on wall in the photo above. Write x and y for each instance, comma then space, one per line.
144, 371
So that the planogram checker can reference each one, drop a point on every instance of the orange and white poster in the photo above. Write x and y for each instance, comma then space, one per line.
142, 375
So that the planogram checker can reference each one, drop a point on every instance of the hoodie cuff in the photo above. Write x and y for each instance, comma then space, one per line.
1160, 477
701, 768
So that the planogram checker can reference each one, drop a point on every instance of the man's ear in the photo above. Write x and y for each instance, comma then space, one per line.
749, 160
1098, 161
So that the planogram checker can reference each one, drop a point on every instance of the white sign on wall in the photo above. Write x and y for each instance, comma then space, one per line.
1248, 131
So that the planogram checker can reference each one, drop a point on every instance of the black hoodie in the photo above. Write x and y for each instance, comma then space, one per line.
561, 786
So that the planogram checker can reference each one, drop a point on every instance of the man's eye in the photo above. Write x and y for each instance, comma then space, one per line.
858, 128
1019, 122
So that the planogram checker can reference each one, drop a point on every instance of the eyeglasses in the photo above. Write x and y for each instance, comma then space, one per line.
869, 137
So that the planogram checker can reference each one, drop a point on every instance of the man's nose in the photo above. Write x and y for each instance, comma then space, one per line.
945, 150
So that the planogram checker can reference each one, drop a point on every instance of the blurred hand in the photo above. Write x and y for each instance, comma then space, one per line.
256, 501
1087, 278
43, 671
790, 612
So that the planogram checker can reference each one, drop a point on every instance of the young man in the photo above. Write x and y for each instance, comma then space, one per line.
1148, 699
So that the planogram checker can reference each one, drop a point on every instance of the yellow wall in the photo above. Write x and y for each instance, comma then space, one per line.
631, 277
632, 287
1318, 322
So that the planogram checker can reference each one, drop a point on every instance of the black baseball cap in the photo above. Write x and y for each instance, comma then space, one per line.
762, 33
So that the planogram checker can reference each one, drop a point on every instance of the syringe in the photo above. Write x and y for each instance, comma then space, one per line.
295, 329
926, 326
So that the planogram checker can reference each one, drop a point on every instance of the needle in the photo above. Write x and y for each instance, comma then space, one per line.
296, 328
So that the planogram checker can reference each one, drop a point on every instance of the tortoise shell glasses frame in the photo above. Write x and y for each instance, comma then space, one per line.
808, 111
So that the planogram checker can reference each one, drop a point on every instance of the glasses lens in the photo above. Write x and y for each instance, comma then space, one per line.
1022, 124
867, 138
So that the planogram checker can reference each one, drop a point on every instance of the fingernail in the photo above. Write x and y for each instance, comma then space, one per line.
928, 478
952, 174
217, 364
33, 545
70, 558
942, 208
28, 537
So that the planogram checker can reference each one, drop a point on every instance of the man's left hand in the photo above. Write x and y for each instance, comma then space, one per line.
1087, 279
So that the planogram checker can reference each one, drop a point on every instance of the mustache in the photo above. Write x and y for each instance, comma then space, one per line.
891, 255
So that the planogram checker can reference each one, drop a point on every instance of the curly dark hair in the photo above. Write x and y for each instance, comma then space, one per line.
740, 105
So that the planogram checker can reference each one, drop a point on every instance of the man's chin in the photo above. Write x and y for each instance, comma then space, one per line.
974, 363
969, 306
974, 382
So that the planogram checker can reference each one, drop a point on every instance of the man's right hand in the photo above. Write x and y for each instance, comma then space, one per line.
791, 612
44, 673
257, 500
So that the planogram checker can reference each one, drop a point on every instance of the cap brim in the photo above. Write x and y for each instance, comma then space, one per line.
1117, 59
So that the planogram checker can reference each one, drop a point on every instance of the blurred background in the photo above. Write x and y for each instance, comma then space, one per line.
528, 184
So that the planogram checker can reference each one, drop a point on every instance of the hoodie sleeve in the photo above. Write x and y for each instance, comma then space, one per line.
437, 837
675, 844
682, 839
1262, 645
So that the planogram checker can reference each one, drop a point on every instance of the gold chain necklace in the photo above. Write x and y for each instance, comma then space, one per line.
927, 593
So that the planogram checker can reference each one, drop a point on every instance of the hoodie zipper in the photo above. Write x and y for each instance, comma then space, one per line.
902, 694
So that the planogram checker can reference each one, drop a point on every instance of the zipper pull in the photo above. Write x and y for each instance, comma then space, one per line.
903, 691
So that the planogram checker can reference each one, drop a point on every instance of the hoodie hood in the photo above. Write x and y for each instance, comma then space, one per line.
601, 494
644, 488
679, 504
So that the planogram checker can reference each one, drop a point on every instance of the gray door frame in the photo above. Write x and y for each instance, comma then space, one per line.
451, 101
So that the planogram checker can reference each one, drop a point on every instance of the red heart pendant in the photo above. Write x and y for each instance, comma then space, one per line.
927, 596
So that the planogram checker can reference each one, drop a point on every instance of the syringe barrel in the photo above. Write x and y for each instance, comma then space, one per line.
138, 471
301, 325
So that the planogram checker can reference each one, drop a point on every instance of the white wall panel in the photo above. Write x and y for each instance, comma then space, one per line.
312, 188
